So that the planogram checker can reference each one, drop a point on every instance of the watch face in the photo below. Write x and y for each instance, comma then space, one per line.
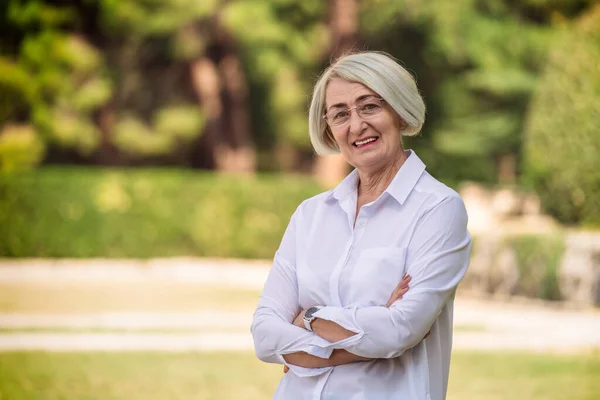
309, 313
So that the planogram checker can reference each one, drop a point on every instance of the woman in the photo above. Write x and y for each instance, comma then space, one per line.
331, 309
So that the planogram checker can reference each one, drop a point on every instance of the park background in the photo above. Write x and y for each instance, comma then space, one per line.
152, 152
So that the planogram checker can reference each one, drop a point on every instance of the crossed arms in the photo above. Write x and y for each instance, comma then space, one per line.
333, 332
437, 259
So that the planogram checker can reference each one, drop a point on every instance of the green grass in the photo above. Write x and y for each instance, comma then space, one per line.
503, 376
222, 376
87, 298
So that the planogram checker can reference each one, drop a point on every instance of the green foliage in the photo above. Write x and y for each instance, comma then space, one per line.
282, 59
184, 122
20, 148
17, 89
562, 137
65, 129
152, 17
33, 14
72, 84
110, 81
538, 260
60, 212
477, 64
171, 126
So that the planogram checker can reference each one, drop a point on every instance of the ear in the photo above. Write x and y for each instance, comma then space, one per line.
400, 123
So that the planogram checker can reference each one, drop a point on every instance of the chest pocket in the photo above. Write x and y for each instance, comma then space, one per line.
377, 272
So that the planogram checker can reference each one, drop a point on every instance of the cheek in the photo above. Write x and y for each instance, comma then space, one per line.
340, 139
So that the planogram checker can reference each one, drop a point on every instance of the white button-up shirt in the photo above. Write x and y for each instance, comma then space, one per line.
416, 226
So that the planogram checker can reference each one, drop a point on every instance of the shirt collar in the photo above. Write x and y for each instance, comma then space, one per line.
403, 183
406, 178
345, 187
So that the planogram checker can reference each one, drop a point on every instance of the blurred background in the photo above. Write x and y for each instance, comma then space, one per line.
153, 151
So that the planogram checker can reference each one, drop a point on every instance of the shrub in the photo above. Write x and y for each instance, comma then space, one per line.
563, 131
538, 259
84, 212
20, 148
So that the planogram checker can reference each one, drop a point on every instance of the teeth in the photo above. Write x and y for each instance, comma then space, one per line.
360, 143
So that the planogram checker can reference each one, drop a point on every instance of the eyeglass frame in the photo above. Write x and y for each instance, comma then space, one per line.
381, 99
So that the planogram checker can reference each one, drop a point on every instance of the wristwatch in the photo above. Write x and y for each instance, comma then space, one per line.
309, 318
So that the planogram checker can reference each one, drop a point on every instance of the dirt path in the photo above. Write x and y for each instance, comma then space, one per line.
479, 324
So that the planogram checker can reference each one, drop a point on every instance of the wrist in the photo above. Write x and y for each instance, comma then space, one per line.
309, 317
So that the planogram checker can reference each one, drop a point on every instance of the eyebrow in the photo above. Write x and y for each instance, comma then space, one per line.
358, 99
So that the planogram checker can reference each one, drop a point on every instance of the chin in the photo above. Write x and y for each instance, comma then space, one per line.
369, 162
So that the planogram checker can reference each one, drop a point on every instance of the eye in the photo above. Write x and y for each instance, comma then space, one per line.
370, 108
338, 115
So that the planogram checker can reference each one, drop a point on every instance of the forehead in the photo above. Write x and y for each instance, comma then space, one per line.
343, 92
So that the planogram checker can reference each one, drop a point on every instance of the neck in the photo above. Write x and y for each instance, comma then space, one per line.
374, 181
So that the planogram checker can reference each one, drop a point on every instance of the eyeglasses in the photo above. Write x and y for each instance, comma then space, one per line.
365, 109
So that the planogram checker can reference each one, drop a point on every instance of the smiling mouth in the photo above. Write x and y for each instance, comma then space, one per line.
364, 142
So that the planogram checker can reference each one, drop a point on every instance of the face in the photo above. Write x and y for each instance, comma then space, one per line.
368, 142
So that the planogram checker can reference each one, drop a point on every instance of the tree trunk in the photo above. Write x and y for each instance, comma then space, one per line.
107, 153
343, 28
236, 152
207, 85
507, 168
219, 80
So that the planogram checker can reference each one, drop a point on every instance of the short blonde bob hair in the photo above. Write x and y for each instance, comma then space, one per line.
381, 73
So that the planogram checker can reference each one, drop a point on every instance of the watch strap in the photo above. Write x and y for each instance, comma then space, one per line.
309, 319
307, 323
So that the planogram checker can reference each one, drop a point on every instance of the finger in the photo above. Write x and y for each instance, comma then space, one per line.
402, 293
402, 285
394, 296
399, 290
405, 280
285, 369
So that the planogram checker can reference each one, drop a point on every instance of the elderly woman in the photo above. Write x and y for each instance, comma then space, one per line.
335, 308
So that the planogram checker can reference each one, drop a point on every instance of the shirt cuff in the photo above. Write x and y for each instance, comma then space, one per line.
346, 318
318, 348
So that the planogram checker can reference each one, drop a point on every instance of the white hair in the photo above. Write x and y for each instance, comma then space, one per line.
381, 73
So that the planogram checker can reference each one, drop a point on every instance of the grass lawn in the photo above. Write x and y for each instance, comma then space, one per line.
102, 297
222, 376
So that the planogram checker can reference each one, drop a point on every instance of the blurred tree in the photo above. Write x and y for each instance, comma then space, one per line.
477, 63
226, 84
53, 79
281, 58
20, 148
563, 126
143, 44
343, 31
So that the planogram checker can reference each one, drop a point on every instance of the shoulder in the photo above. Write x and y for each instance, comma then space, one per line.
437, 196
309, 207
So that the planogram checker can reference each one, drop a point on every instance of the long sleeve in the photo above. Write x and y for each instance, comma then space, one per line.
437, 260
272, 329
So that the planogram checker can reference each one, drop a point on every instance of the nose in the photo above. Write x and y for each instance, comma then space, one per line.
356, 123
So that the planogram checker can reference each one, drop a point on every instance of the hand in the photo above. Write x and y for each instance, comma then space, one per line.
299, 320
285, 369
399, 291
